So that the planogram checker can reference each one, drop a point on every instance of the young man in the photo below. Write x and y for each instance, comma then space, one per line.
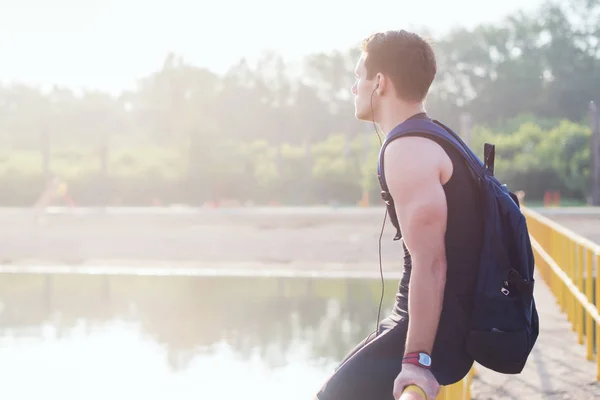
436, 201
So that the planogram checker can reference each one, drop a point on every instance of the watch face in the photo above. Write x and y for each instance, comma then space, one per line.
424, 359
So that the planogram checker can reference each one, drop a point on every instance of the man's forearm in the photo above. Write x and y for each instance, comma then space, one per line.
425, 299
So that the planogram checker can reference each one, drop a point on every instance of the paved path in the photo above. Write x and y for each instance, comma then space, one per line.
557, 367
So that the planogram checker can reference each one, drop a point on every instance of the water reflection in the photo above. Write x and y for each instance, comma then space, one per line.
196, 333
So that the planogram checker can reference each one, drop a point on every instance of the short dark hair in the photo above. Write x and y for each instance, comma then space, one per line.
405, 57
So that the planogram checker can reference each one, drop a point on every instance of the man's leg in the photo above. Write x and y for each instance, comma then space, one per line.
369, 371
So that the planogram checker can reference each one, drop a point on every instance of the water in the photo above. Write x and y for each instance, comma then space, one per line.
119, 337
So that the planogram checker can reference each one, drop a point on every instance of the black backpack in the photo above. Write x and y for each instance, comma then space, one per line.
504, 319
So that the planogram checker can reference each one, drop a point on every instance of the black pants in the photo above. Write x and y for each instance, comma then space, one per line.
369, 370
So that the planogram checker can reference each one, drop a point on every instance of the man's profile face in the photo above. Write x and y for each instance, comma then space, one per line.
362, 90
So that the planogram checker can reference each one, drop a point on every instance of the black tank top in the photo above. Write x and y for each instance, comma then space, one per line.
463, 242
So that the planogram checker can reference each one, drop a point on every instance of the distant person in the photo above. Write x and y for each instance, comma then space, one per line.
436, 203
55, 188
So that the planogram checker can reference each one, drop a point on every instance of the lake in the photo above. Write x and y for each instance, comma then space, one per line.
143, 337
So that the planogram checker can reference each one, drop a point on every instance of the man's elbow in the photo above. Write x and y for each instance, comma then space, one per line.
434, 266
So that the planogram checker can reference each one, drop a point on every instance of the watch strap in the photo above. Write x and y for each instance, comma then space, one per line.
415, 359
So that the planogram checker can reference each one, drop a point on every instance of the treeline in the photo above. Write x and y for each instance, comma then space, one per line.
276, 131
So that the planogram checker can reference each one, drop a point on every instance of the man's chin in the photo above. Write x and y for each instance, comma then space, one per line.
362, 116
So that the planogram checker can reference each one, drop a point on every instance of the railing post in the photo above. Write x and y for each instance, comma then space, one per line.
579, 267
589, 325
597, 352
597, 303
569, 267
595, 154
561, 260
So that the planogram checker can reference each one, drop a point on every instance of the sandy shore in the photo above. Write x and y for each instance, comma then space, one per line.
305, 237
271, 237
587, 226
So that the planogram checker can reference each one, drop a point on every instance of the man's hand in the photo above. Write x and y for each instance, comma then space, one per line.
413, 375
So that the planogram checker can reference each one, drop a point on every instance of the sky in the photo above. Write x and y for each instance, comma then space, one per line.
109, 44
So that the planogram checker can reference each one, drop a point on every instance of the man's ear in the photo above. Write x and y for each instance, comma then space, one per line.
381, 84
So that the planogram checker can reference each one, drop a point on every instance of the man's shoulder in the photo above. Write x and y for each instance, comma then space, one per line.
417, 151
414, 145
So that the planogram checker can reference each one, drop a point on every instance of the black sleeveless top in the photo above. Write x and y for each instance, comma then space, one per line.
463, 240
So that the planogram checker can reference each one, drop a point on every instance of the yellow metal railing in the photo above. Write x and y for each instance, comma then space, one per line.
568, 263
459, 391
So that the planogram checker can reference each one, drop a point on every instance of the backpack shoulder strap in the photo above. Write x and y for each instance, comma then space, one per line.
436, 129
430, 128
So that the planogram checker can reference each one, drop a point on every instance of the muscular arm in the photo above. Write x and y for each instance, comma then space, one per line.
413, 170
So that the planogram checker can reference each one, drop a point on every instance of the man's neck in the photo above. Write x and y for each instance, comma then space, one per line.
396, 114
